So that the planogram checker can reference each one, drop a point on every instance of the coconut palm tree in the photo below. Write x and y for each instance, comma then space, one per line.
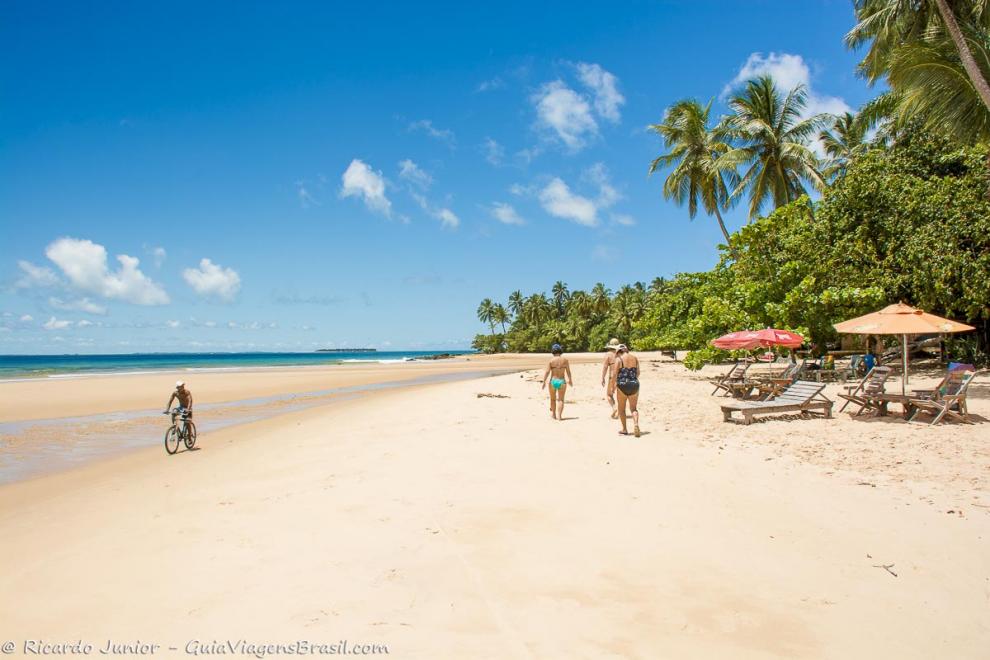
627, 308
560, 295
694, 152
601, 299
889, 25
486, 311
843, 141
516, 302
500, 315
772, 144
932, 86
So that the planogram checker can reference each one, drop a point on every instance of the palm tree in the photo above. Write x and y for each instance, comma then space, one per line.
500, 315
694, 151
537, 310
844, 141
932, 87
772, 144
516, 302
581, 304
486, 313
560, 297
627, 307
889, 25
601, 299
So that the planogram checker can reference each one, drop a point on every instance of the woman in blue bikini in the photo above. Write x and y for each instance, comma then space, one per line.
558, 368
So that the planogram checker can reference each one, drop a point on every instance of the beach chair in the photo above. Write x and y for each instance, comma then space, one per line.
774, 385
865, 392
729, 381
803, 396
948, 400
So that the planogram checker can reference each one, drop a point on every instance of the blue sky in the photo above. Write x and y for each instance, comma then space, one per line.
285, 176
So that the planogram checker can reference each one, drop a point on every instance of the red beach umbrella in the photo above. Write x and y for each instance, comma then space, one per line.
750, 339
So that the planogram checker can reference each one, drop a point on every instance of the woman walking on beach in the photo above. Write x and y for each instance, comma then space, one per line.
557, 369
625, 374
609, 384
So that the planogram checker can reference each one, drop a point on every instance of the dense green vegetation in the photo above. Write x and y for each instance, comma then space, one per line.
903, 215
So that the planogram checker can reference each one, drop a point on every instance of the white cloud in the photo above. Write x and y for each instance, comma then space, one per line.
35, 276
27, 318
304, 195
564, 112
84, 323
212, 280
55, 324
210, 324
359, 180
788, 71
426, 126
607, 194
493, 84
412, 173
448, 219
82, 305
519, 190
558, 200
623, 219
603, 85
173, 324
158, 255
494, 153
84, 263
604, 254
505, 214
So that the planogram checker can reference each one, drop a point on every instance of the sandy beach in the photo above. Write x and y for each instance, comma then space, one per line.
445, 523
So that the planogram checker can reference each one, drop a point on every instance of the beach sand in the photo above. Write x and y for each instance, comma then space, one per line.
447, 525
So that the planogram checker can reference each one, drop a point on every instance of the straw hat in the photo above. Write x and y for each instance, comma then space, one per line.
613, 344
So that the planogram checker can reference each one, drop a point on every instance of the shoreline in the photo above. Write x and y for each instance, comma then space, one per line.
45, 449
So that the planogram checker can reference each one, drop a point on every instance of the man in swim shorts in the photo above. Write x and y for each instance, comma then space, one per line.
184, 396
557, 370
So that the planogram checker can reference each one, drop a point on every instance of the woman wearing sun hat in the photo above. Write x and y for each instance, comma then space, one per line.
607, 382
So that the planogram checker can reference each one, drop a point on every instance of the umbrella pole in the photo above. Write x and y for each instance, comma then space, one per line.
904, 357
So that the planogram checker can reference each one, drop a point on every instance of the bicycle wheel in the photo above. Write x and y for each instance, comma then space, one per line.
172, 440
190, 436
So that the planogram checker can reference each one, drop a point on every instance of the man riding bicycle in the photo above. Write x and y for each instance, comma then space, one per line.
185, 400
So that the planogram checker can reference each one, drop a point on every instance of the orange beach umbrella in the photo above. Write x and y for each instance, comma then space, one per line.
904, 320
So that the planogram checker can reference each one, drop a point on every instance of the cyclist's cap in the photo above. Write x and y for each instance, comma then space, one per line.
179, 383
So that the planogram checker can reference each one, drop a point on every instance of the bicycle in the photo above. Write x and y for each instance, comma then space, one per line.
182, 430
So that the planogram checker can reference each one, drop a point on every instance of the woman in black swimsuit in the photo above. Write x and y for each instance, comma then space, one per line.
625, 373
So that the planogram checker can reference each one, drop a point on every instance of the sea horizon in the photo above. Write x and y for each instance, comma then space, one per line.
20, 367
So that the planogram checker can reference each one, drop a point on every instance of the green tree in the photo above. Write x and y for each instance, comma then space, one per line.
771, 142
486, 313
694, 151
843, 141
560, 295
889, 25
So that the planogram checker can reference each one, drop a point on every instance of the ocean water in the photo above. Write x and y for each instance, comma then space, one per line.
62, 366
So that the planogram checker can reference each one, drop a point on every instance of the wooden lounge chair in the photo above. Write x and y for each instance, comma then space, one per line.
865, 392
946, 401
774, 385
728, 381
803, 396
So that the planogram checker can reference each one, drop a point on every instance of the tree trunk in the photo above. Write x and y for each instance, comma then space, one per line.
968, 62
725, 232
